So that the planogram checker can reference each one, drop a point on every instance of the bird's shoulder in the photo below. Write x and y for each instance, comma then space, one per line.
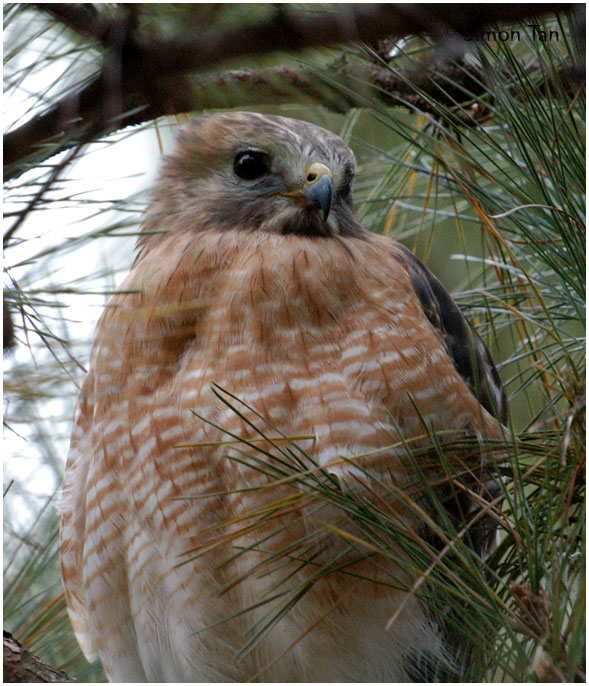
469, 354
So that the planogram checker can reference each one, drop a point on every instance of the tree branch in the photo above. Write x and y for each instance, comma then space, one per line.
82, 18
149, 72
283, 85
286, 31
20, 666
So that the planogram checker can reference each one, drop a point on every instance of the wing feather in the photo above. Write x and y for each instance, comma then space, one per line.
469, 354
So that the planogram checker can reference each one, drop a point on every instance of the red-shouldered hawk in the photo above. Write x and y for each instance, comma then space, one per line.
189, 557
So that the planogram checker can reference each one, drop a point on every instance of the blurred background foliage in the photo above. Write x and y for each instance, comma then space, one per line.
477, 163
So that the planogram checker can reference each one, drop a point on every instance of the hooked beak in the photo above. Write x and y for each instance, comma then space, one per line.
319, 195
318, 191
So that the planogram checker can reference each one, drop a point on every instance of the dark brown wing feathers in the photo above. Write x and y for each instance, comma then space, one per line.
469, 354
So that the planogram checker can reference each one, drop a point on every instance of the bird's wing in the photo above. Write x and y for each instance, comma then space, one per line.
469, 354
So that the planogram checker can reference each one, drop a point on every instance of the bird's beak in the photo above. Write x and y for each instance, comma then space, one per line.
318, 190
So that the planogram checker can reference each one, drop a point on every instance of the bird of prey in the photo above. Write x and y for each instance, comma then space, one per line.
265, 354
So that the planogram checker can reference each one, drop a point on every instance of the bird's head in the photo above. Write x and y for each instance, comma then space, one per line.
257, 172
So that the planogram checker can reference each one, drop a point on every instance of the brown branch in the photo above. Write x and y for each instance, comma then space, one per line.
82, 18
282, 85
277, 86
286, 31
149, 72
20, 666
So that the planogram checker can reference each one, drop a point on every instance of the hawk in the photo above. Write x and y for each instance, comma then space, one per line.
263, 347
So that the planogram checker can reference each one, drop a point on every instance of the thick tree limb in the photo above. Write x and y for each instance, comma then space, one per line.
82, 18
144, 78
286, 31
20, 666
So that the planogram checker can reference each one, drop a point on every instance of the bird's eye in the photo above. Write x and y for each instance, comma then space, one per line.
251, 164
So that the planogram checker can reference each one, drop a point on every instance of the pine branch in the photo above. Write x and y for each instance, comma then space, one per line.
143, 78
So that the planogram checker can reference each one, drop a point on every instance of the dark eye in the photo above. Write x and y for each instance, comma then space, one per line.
251, 164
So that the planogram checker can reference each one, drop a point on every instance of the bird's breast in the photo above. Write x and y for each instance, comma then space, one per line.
322, 338
318, 339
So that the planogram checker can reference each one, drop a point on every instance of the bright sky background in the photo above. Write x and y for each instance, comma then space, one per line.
82, 202
106, 173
